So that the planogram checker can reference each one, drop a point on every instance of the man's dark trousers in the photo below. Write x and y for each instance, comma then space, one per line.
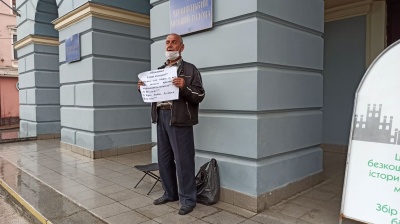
176, 143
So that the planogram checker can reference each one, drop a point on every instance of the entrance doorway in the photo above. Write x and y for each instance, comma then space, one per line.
393, 21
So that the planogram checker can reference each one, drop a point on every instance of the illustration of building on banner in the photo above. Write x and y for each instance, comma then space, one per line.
372, 129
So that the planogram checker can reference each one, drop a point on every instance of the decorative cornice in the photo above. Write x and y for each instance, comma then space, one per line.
348, 11
8, 76
9, 72
34, 39
101, 11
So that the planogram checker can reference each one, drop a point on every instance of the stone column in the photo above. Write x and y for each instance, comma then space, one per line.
102, 114
38, 69
261, 118
39, 94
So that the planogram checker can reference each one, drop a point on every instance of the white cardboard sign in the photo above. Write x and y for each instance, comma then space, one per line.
158, 85
372, 183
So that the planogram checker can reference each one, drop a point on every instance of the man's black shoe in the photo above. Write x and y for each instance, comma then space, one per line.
163, 200
185, 210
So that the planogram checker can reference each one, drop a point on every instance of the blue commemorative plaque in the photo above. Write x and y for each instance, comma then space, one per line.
188, 16
72, 48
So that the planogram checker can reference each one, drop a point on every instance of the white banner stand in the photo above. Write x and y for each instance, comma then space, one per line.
372, 182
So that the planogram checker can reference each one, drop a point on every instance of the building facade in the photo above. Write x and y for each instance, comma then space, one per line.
262, 65
9, 104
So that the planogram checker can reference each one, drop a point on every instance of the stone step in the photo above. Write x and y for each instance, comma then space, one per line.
39, 202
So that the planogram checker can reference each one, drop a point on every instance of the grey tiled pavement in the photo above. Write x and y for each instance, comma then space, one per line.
105, 188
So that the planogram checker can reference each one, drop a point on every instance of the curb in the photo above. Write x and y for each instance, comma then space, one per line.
12, 140
25, 205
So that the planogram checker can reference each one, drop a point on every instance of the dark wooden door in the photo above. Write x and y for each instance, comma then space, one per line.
393, 21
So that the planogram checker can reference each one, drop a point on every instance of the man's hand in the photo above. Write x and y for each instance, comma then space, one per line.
178, 82
140, 83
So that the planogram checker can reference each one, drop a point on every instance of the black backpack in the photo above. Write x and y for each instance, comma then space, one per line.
207, 183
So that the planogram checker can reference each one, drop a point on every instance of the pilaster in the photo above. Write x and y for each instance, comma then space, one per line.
39, 87
261, 119
101, 110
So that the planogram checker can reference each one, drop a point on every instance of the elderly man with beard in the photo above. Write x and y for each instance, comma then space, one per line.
175, 120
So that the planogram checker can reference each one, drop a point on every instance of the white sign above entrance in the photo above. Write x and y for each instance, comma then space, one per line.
372, 184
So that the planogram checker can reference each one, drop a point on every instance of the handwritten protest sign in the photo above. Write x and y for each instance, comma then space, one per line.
158, 85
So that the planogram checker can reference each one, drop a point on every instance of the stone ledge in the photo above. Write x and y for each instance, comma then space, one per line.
266, 200
48, 136
91, 9
17, 140
106, 152
335, 148
36, 39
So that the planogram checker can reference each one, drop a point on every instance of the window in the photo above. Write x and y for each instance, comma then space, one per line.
15, 51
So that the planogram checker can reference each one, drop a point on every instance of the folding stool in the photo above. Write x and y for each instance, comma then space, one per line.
147, 170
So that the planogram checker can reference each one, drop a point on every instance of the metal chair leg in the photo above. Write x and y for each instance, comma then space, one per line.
153, 186
140, 180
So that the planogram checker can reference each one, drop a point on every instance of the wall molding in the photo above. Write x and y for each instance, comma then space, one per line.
98, 154
101, 11
335, 148
35, 39
259, 203
348, 11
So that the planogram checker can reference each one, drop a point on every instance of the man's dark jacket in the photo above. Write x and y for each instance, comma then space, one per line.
185, 110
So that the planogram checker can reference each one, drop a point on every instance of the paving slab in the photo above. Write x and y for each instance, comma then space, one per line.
173, 218
102, 191
202, 211
292, 210
137, 202
154, 211
224, 217
131, 217
110, 210
46, 204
